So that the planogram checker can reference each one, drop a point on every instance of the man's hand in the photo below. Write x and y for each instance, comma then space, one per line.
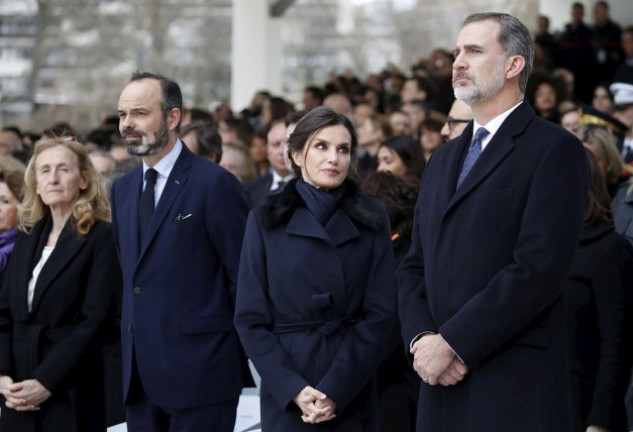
315, 405
26, 395
594, 428
431, 356
454, 373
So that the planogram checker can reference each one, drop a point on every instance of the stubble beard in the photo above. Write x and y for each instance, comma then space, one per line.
473, 94
143, 147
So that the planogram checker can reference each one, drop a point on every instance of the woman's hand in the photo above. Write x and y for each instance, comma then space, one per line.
11, 401
26, 395
315, 406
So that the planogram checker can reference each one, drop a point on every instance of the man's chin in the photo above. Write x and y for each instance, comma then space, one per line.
138, 150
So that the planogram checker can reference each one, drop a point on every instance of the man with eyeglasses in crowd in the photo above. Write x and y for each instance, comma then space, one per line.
458, 118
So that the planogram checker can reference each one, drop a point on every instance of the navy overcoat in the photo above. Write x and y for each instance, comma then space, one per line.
316, 306
486, 270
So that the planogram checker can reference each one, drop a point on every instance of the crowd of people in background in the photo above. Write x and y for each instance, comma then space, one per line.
582, 79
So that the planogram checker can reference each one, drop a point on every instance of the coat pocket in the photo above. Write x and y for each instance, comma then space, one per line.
200, 325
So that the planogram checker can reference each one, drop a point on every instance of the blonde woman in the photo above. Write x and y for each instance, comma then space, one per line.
56, 296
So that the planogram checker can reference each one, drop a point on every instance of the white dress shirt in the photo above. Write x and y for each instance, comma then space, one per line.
163, 168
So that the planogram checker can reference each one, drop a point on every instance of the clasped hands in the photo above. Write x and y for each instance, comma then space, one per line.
26, 395
315, 406
435, 361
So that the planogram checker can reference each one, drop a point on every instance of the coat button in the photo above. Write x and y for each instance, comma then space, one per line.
130, 327
136, 290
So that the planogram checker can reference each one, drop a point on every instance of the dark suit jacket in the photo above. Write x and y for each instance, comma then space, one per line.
599, 298
486, 270
179, 285
60, 342
257, 190
316, 306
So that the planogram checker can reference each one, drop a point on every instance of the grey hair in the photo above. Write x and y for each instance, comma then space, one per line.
514, 38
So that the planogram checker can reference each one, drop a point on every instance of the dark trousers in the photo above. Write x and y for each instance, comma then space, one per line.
142, 415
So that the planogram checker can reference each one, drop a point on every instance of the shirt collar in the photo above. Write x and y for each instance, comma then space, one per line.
277, 178
493, 125
166, 164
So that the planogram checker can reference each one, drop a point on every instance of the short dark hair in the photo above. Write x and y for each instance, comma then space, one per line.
171, 94
425, 85
294, 117
316, 92
207, 136
409, 151
315, 120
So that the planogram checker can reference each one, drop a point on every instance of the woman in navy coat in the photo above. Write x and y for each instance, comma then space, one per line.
56, 302
316, 297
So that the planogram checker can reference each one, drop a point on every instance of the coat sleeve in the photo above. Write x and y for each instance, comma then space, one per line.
6, 320
253, 320
227, 211
104, 275
358, 356
413, 308
547, 237
613, 294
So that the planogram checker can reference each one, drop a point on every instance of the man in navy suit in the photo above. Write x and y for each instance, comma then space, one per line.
497, 222
179, 221
280, 174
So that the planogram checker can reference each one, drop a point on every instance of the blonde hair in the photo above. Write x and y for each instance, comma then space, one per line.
603, 140
91, 206
12, 173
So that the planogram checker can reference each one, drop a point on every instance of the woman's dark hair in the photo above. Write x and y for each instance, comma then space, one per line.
536, 80
399, 195
598, 208
311, 123
409, 151
605, 85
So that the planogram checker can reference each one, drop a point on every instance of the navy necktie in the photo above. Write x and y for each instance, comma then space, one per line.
473, 153
146, 205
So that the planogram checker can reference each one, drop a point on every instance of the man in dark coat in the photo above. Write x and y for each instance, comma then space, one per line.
257, 190
493, 240
183, 367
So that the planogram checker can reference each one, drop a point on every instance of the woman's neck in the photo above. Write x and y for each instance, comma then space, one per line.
60, 217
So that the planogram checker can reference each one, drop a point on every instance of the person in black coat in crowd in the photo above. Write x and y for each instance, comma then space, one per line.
56, 303
599, 298
316, 296
398, 384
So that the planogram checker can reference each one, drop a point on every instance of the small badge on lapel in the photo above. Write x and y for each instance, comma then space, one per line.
181, 217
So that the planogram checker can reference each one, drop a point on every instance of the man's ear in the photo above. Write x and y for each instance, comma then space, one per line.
173, 118
514, 66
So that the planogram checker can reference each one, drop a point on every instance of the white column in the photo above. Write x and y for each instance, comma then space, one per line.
255, 53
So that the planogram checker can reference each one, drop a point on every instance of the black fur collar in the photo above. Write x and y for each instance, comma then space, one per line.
361, 208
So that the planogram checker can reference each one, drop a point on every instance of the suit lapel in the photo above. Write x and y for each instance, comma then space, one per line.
501, 145
175, 183
454, 164
29, 253
67, 246
136, 184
